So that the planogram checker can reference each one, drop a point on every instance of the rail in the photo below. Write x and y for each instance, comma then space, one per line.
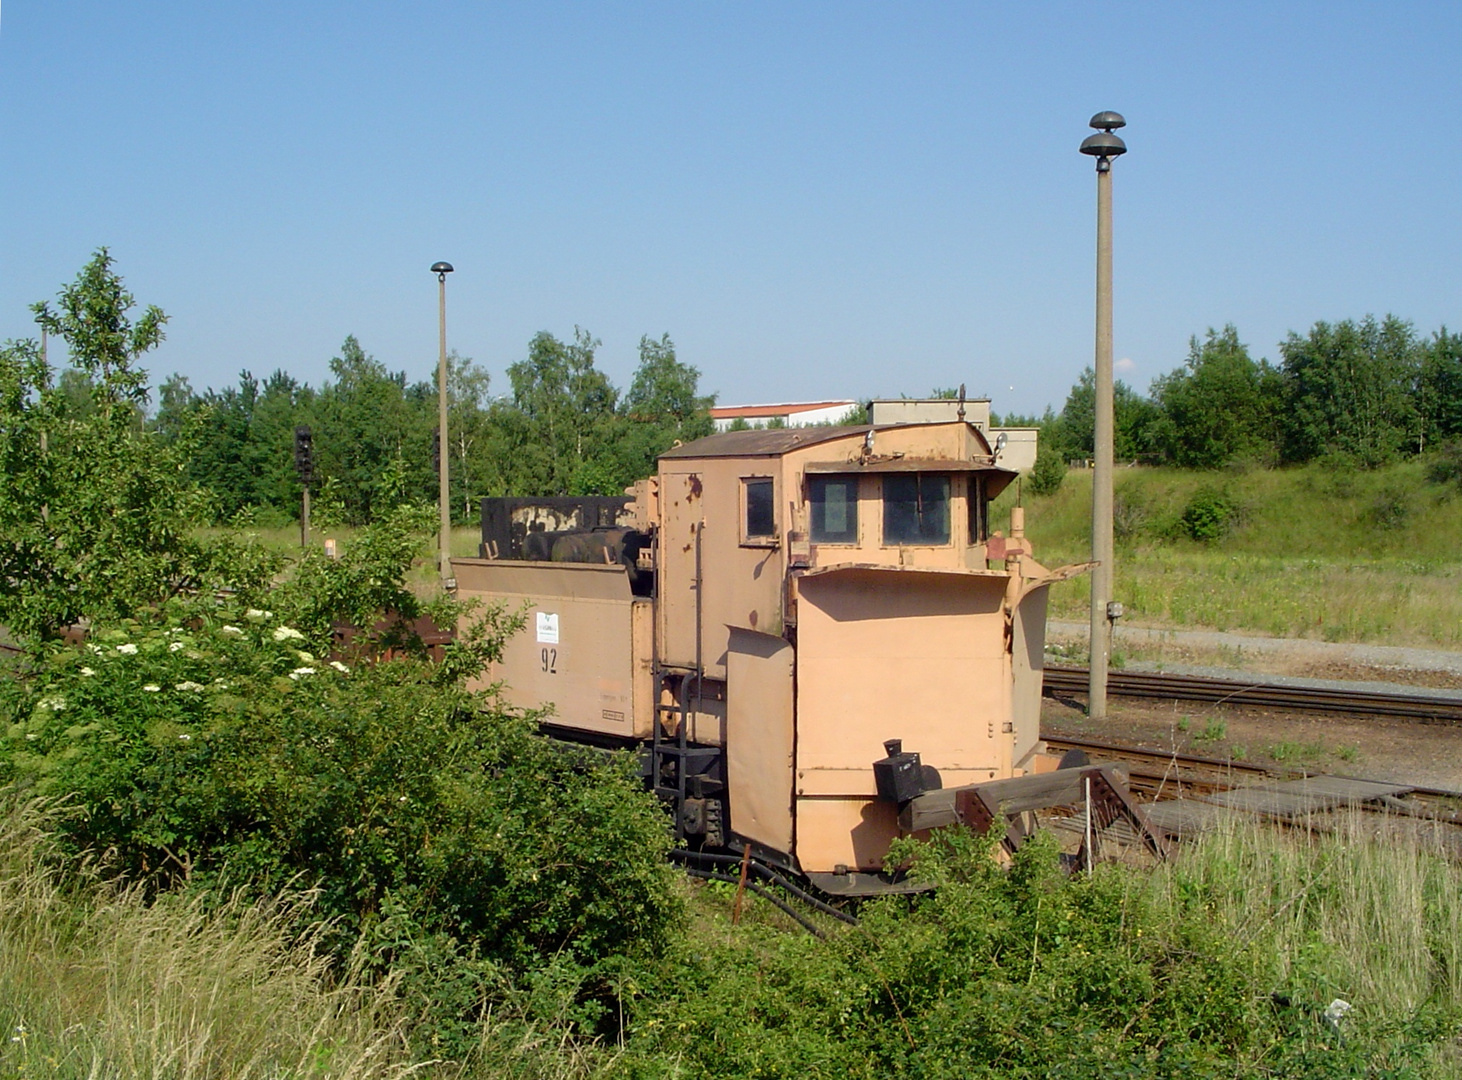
1430, 708
1167, 774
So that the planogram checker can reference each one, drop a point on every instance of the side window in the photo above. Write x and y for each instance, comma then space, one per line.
834, 509
758, 519
979, 519
915, 509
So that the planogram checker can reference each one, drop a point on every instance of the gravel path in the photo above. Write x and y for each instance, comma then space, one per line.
1292, 650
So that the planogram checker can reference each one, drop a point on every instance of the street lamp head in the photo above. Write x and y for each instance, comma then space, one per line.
441, 269
1108, 121
1103, 144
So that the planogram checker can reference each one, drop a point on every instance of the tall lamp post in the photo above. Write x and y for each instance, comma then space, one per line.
1104, 146
444, 493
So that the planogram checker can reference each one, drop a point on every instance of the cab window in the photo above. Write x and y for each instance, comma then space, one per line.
915, 509
834, 505
759, 510
979, 512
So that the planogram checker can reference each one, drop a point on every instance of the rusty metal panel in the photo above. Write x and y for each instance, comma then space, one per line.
681, 497
642, 642
902, 464
740, 583
516, 578
884, 654
759, 738
743, 582
508, 522
577, 649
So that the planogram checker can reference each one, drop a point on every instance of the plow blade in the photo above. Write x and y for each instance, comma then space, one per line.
1097, 791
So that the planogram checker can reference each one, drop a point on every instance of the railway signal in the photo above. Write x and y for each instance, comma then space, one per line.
304, 463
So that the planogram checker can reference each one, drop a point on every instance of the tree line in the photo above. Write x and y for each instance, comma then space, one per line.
1368, 392
563, 429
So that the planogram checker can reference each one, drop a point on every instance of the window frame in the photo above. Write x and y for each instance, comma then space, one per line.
748, 539
918, 477
977, 511
852, 480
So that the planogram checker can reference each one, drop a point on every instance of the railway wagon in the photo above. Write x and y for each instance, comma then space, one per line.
800, 629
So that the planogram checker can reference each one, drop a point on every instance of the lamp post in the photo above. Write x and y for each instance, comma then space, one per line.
444, 494
1103, 146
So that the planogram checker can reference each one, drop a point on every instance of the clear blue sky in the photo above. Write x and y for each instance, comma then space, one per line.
813, 199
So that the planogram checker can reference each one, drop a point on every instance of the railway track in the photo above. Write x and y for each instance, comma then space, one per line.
1427, 708
1162, 774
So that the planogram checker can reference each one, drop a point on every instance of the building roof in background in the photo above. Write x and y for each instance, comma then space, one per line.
791, 408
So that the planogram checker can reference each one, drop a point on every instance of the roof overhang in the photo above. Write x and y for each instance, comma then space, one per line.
883, 568
905, 464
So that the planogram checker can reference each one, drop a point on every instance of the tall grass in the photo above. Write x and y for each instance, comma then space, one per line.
286, 538
98, 981
1335, 556
1370, 912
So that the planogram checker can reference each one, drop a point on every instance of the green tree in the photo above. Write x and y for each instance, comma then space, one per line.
282, 405
473, 470
1219, 407
662, 407
1133, 416
1440, 397
91, 316
560, 438
1014, 420
366, 418
1349, 389
176, 404
247, 460
1049, 471
94, 520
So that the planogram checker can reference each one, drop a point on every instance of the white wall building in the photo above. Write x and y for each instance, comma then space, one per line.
1020, 442
792, 414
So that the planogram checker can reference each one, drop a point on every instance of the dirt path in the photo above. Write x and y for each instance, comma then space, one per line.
1218, 652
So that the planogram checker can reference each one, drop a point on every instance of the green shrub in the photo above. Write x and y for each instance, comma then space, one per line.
1024, 973
1130, 515
1446, 466
1390, 508
1208, 515
1049, 471
219, 751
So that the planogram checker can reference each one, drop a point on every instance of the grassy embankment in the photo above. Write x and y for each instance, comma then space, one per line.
1312, 553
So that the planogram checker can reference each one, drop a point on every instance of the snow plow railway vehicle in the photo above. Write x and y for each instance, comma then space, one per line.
810, 634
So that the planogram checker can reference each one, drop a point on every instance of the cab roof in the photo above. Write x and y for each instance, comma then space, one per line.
764, 442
